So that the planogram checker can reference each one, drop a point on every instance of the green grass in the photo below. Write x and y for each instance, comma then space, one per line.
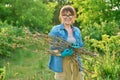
27, 65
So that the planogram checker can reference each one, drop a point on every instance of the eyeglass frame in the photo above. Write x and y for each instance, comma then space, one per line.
69, 16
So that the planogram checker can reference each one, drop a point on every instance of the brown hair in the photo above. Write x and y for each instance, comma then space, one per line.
67, 8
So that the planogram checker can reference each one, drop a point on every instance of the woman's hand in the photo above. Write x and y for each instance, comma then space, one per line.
67, 52
75, 45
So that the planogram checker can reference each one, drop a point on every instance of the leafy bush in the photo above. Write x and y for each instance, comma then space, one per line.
108, 48
97, 20
108, 44
95, 31
31, 13
2, 73
93, 10
11, 38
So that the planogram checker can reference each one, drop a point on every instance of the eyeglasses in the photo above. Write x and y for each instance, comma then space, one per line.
69, 16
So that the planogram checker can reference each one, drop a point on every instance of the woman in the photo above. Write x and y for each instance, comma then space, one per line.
62, 65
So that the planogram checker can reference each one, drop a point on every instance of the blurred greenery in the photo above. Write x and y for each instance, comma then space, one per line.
30, 13
22, 55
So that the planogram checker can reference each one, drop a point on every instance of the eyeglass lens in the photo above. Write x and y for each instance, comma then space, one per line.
69, 16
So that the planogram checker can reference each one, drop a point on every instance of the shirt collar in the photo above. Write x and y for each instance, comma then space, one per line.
73, 28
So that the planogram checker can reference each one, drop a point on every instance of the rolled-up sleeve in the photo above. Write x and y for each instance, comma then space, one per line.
53, 33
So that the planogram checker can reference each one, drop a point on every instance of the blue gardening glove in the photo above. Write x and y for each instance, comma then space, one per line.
67, 52
75, 45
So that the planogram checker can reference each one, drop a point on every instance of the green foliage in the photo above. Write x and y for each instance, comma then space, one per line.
31, 13
108, 49
11, 38
95, 30
111, 67
2, 73
93, 10
107, 44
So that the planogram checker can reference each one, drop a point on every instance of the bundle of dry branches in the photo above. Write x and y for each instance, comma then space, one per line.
60, 44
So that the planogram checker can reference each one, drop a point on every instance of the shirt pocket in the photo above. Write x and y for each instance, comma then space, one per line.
61, 34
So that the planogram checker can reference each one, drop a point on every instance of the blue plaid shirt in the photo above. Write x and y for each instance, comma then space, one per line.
55, 62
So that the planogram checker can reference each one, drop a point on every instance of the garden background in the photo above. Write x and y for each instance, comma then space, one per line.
22, 56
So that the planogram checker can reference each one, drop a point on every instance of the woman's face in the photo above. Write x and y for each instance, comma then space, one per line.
67, 18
